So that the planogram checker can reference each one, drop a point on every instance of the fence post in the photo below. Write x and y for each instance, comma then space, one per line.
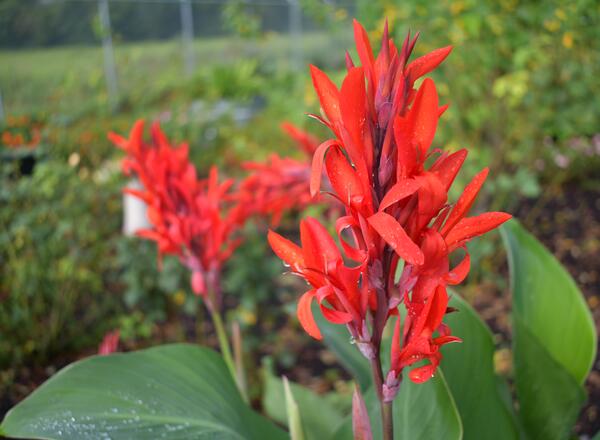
110, 71
295, 26
187, 36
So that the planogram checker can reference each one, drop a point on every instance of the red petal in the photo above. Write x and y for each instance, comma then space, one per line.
361, 424
460, 271
432, 197
465, 201
394, 235
317, 166
329, 96
448, 339
144, 196
407, 152
399, 191
198, 285
448, 167
352, 252
286, 250
352, 103
335, 316
471, 227
423, 116
442, 110
306, 317
422, 374
343, 178
425, 64
436, 310
396, 345
363, 46
353, 110
307, 141
320, 251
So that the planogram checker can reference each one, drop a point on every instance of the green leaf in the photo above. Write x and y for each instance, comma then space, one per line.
421, 412
426, 411
549, 302
319, 417
554, 339
173, 391
549, 397
469, 371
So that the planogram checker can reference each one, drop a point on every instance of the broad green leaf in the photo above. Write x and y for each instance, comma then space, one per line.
421, 412
426, 411
469, 370
319, 417
175, 391
549, 397
549, 302
554, 339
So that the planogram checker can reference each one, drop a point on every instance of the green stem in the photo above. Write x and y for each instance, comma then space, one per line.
223, 343
238, 357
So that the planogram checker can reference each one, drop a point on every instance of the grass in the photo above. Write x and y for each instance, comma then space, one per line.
65, 80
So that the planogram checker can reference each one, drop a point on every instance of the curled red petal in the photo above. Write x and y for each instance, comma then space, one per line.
460, 271
306, 317
317, 166
394, 235
422, 374
335, 316
352, 252
446, 339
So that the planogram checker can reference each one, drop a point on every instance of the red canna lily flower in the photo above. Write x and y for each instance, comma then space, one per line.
193, 219
280, 184
394, 187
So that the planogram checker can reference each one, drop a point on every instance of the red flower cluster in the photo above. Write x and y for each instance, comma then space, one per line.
394, 187
279, 184
191, 218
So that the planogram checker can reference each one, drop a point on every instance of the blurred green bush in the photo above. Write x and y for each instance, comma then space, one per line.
56, 262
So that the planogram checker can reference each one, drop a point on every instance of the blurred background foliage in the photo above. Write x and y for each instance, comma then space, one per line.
522, 82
